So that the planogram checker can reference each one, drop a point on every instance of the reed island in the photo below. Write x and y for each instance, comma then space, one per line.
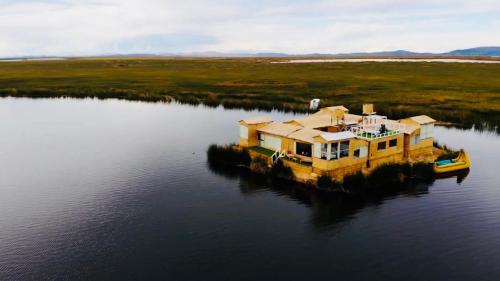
333, 142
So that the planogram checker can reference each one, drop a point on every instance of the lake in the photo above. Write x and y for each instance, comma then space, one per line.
117, 190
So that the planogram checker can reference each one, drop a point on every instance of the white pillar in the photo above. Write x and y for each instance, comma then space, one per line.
328, 151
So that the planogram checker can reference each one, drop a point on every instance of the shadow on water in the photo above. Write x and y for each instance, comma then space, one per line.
327, 208
460, 175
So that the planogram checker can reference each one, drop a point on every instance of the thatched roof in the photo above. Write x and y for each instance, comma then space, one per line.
257, 120
279, 129
422, 119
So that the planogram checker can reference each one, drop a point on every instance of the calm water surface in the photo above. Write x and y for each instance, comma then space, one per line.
117, 190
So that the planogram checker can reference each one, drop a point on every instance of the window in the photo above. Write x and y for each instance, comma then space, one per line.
304, 149
426, 131
393, 143
334, 151
356, 153
415, 139
344, 149
324, 150
271, 142
339, 150
381, 145
243, 132
363, 152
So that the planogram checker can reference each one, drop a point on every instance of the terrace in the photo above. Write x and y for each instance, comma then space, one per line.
372, 136
299, 159
376, 127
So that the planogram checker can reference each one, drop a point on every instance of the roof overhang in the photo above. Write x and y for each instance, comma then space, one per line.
331, 137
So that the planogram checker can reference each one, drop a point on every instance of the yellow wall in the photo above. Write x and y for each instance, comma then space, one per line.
331, 167
252, 134
387, 155
339, 173
422, 149
287, 144
301, 172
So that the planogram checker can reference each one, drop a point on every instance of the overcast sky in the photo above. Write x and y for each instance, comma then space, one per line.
70, 27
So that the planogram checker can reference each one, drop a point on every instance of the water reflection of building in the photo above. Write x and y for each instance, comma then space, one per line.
327, 209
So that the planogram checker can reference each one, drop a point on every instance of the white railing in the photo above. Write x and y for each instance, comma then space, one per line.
277, 155
372, 131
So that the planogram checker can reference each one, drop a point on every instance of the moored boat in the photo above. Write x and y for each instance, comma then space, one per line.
461, 162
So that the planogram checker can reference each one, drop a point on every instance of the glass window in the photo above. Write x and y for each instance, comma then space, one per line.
381, 145
334, 151
415, 139
393, 143
304, 149
324, 150
344, 149
356, 153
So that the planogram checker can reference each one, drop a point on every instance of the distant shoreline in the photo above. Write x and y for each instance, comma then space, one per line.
458, 93
30, 59
419, 60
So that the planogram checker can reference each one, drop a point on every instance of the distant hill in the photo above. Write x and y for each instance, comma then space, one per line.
479, 51
398, 53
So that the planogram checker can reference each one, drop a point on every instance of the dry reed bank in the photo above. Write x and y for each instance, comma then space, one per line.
452, 92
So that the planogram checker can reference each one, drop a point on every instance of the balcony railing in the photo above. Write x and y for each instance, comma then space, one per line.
373, 131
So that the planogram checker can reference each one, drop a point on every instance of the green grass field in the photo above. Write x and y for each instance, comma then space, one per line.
452, 92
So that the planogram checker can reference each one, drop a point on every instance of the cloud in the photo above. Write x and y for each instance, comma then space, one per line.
70, 27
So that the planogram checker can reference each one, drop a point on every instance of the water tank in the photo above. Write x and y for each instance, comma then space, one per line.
314, 104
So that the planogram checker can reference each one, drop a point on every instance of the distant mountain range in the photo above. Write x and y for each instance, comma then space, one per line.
479, 51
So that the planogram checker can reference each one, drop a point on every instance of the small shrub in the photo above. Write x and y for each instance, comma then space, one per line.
228, 155
327, 183
355, 183
259, 165
279, 170
211, 100
448, 155
387, 175
423, 171
406, 169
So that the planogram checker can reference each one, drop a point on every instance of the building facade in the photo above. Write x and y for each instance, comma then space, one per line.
336, 143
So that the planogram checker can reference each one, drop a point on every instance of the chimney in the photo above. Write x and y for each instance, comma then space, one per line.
368, 109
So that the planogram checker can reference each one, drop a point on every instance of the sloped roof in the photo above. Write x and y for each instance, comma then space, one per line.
337, 136
316, 121
279, 129
257, 120
406, 127
409, 129
422, 119
352, 118
305, 135
321, 112
337, 107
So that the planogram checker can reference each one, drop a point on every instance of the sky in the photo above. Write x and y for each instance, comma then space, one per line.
100, 27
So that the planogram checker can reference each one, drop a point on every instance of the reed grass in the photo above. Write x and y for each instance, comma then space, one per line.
228, 155
465, 94
280, 171
388, 177
327, 183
